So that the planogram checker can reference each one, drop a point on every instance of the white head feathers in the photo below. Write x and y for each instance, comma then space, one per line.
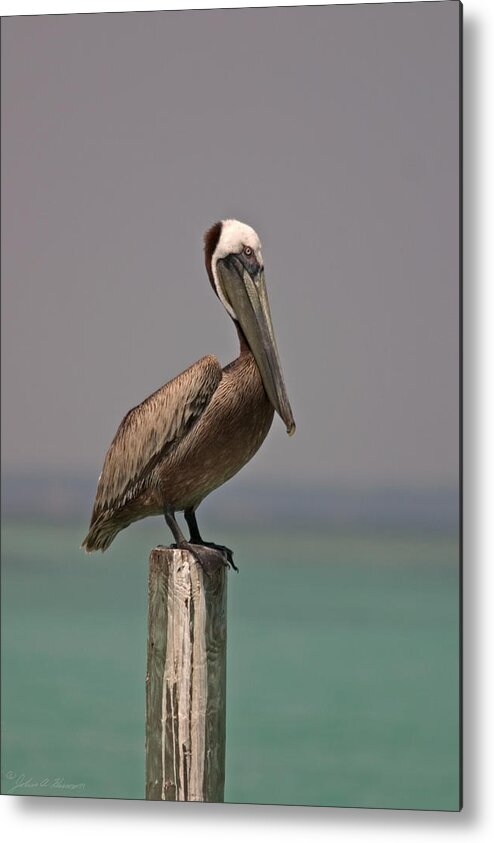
234, 237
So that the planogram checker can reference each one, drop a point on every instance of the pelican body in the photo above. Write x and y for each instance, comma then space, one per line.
202, 427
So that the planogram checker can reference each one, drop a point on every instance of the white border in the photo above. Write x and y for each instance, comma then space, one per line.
62, 819
36, 7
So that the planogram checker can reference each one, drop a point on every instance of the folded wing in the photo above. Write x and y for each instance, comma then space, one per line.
151, 431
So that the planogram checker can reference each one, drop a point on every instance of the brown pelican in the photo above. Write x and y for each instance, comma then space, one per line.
199, 429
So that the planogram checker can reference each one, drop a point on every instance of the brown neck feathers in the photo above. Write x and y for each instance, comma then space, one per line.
210, 242
211, 239
244, 345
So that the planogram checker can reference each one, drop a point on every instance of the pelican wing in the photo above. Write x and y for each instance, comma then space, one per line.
153, 429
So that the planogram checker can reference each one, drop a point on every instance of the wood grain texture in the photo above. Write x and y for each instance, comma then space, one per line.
186, 679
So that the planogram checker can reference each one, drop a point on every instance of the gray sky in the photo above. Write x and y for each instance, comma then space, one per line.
332, 130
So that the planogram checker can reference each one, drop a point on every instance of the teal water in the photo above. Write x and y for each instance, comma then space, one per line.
342, 681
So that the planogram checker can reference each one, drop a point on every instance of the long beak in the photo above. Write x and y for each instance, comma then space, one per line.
248, 298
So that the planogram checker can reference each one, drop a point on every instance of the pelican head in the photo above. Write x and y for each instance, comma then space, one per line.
236, 271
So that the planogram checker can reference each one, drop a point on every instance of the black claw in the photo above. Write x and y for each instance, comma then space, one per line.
209, 558
232, 563
222, 549
196, 539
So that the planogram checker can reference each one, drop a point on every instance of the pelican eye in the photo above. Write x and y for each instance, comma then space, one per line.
247, 251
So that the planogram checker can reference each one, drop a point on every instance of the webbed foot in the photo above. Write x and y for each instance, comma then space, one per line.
223, 549
209, 557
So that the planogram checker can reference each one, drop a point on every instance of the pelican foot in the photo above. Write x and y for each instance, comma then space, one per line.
226, 550
210, 558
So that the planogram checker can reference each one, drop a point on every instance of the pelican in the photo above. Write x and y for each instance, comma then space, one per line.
202, 427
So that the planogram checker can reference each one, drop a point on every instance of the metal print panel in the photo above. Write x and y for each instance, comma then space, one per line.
318, 148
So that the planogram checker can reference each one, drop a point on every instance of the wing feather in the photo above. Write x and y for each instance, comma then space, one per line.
152, 430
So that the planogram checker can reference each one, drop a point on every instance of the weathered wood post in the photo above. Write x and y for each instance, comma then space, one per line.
186, 679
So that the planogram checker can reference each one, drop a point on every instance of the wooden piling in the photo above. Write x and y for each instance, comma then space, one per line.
186, 679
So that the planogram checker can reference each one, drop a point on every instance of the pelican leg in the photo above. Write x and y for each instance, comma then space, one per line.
195, 536
209, 558
172, 523
193, 526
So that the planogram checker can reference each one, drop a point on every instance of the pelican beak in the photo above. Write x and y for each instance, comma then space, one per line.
245, 290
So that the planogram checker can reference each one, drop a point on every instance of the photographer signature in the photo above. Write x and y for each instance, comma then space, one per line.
20, 781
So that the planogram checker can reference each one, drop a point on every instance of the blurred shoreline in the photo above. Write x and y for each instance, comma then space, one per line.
63, 497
